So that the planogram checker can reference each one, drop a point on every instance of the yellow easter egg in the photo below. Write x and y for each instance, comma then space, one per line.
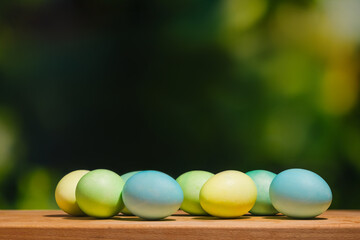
228, 194
65, 192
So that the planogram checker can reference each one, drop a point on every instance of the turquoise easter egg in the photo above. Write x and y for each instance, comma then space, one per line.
300, 193
152, 195
263, 205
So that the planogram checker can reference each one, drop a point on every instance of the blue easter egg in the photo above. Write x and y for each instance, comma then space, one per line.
152, 195
300, 193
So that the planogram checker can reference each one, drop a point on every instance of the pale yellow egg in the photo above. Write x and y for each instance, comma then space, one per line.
65, 192
228, 194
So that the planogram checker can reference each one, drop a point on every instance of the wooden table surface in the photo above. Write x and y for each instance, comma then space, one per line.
54, 224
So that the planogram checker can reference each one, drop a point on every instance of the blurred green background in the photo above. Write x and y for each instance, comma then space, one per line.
175, 86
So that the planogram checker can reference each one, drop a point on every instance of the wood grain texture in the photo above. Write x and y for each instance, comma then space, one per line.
54, 225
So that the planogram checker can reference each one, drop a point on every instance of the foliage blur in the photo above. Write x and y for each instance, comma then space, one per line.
176, 86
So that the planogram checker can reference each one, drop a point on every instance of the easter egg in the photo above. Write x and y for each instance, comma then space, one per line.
98, 193
228, 194
191, 184
152, 195
65, 193
300, 193
125, 177
262, 179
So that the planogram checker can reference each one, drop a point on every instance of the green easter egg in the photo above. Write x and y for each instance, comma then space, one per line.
98, 193
191, 184
125, 177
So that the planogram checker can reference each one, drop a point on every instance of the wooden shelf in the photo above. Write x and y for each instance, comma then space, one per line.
54, 224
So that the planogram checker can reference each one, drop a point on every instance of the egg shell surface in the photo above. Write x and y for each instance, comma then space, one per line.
228, 194
300, 193
65, 193
191, 183
152, 195
262, 179
125, 177
98, 193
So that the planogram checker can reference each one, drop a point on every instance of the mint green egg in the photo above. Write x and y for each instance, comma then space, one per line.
98, 193
263, 205
191, 184
125, 177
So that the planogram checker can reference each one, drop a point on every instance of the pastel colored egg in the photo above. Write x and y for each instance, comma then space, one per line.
228, 194
191, 184
263, 205
125, 177
152, 195
300, 193
65, 192
98, 193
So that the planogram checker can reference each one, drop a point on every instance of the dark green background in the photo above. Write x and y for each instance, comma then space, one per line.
176, 86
